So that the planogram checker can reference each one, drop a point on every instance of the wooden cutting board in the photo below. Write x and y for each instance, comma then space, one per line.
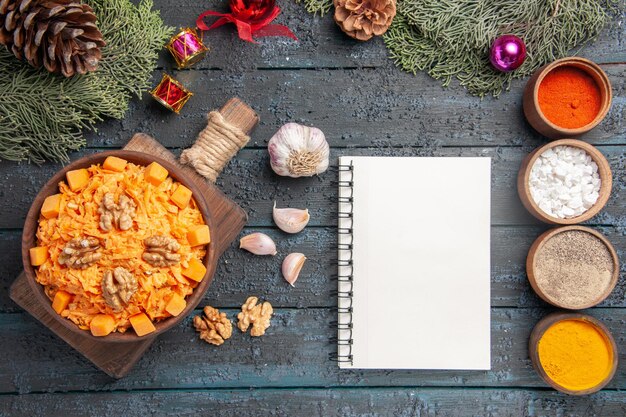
117, 359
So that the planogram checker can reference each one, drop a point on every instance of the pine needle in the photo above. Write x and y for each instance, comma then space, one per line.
42, 115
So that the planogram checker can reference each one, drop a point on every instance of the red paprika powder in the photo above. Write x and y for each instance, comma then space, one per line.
569, 97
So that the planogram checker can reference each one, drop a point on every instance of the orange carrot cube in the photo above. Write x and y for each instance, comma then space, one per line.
60, 301
176, 305
142, 324
155, 174
38, 255
199, 235
102, 325
181, 196
51, 206
195, 271
113, 163
77, 179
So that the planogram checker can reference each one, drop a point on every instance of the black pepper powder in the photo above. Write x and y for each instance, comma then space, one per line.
573, 268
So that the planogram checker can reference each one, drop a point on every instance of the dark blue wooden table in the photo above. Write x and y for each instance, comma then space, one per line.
366, 107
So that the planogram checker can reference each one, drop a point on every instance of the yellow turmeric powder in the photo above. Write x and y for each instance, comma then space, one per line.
575, 354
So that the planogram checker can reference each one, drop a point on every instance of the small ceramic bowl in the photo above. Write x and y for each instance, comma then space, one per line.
531, 267
544, 324
604, 170
538, 120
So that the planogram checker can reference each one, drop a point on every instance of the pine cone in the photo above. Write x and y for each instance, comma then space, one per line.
61, 35
362, 19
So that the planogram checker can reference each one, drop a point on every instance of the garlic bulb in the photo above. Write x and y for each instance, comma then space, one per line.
258, 243
298, 151
292, 264
290, 220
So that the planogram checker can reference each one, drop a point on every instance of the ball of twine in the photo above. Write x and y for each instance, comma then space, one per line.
216, 144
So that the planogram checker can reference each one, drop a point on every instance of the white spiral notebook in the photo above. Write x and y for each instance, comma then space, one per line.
414, 263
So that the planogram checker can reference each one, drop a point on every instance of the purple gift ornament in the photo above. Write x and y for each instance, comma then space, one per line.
507, 53
187, 48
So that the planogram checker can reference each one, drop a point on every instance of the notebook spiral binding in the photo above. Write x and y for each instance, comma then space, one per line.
345, 269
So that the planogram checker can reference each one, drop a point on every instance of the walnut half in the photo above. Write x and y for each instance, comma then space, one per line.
214, 327
118, 215
80, 253
257, 315
118, 286
161, 251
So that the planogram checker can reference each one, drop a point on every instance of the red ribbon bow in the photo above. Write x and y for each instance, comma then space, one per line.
248, 29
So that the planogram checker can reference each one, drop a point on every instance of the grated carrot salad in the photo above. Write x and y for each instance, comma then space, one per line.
155, 215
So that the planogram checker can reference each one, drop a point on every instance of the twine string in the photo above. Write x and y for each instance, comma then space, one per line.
216, 144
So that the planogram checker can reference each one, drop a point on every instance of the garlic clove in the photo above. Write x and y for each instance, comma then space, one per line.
258, 243
292, 264
290, 220
298, 151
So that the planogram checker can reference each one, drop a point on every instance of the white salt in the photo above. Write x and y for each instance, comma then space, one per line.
564, 182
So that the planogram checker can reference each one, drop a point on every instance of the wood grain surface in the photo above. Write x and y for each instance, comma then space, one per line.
294, 354
365, 106
323, 402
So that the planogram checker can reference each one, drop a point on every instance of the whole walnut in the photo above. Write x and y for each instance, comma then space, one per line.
118, 286
257, 315
362, 19
80, 252
214, 327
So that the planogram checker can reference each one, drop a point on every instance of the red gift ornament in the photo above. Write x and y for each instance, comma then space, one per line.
171, 94
252, 18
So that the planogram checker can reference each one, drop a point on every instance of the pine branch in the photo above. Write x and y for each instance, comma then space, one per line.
136, 36
317, 6
451, 39
42, 115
